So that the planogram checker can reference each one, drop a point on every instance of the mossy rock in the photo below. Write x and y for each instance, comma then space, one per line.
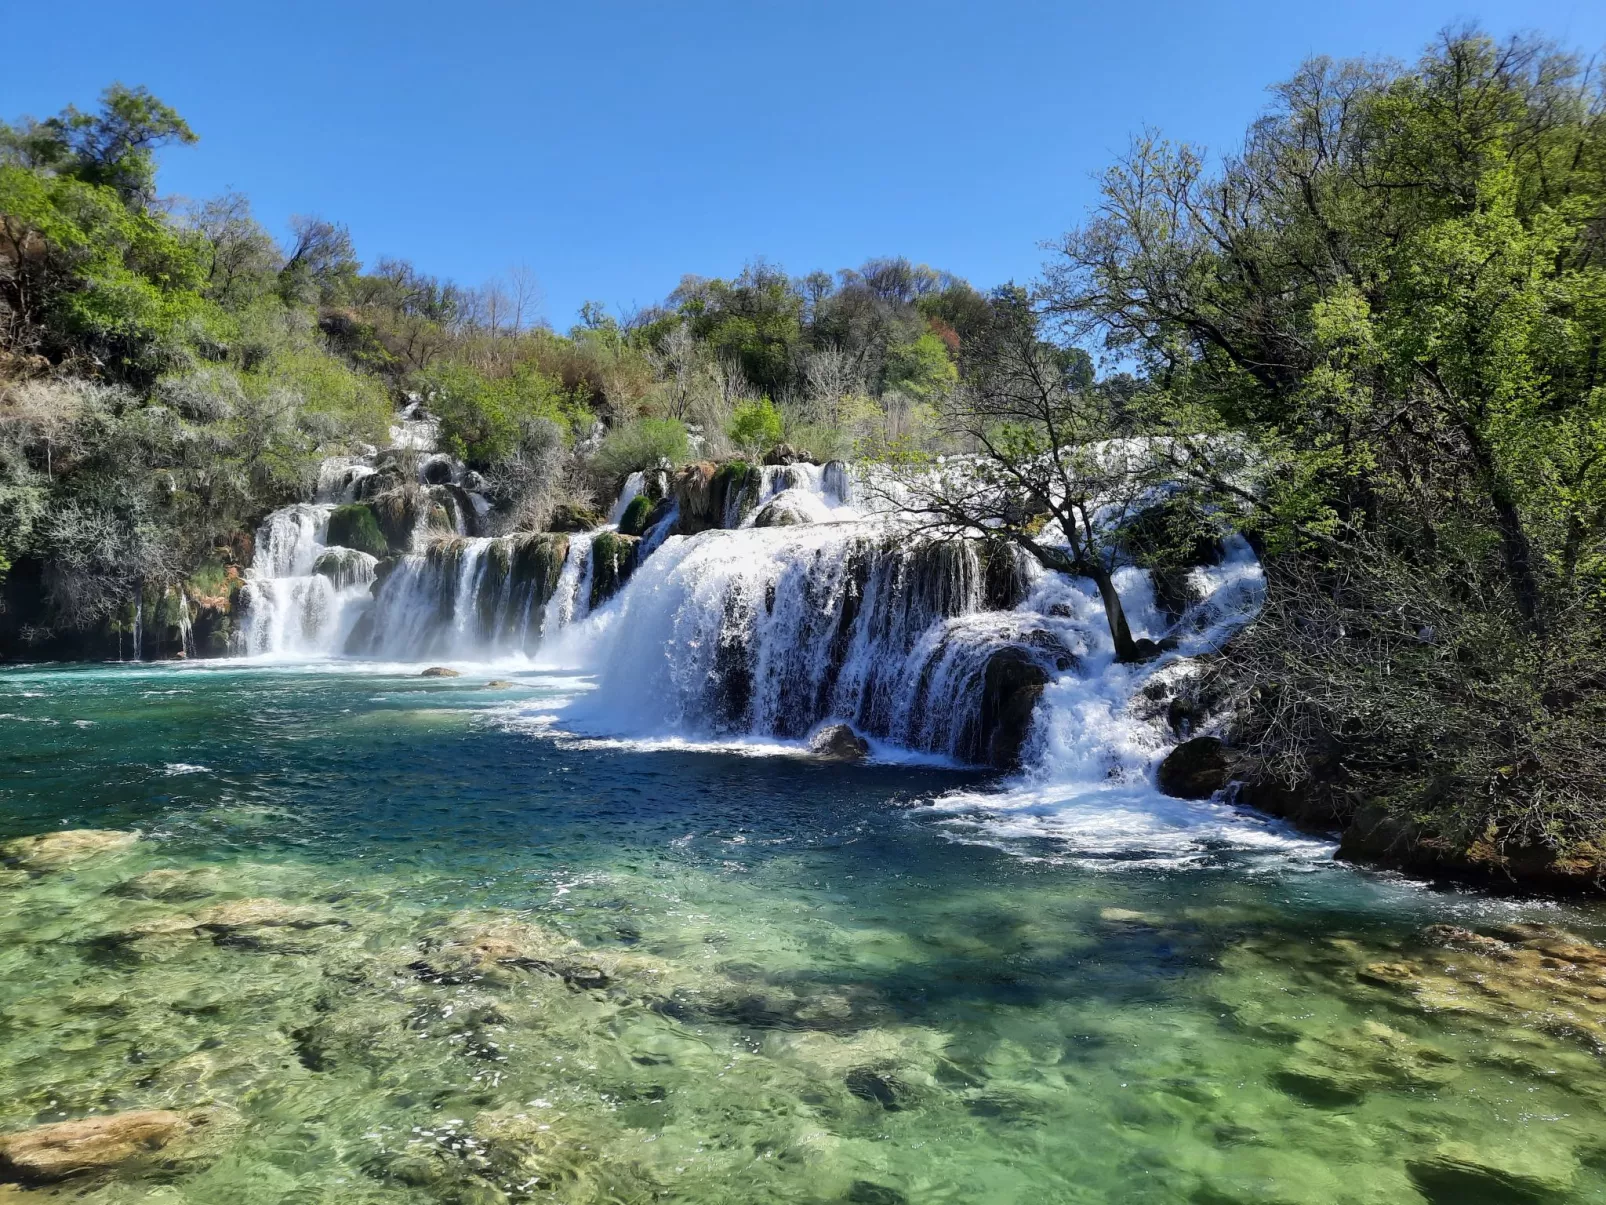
571, 516
634, 521
356, 526
613, 559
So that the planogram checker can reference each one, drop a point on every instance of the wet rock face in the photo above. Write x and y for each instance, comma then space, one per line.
570, 517
780, 514
839, 743
118, 1141
1195, 769
50, 851
613, 560
1012, 684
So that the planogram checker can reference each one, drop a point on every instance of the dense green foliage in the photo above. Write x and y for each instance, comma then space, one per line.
1377, 332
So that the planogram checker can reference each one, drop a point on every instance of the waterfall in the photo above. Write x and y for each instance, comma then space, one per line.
471, 598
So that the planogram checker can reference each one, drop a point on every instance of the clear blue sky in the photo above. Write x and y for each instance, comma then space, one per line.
613, 147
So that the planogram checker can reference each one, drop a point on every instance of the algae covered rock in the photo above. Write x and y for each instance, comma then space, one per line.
356, 526
572, 516
613, 560
1461, 1172
838, 742
260, 913
634, 521
112, 1143
50, 851
440, 671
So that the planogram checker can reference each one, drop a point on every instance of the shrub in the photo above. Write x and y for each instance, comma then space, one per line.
756, 425
645, 444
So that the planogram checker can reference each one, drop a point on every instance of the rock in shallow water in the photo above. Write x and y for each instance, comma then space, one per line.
440, 671
1460, 1172
115, 1142
838, 742
1195, 769
49, 851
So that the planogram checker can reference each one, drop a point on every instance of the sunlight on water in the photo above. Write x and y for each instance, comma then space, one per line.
394, 946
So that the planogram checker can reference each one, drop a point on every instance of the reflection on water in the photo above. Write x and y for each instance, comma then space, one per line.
394, 943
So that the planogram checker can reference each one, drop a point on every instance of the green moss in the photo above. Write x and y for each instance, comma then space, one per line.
570, 516
613, 559
357, 526
634, 521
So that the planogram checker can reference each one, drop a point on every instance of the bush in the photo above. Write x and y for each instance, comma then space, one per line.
756, 425
646, 444
484, 419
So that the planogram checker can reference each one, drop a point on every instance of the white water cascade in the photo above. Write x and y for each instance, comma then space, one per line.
803, 604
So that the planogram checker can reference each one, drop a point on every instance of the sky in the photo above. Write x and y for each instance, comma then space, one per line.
611, 148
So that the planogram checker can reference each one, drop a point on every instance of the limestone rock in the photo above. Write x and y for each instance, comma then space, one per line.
782, 454
440, 671
1459, 1171
259, 914
572, 517
114, 1142
169, 884
50, 851
1195, 769
838, 742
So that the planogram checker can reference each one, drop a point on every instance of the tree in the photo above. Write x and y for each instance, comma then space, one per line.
113, 147
1044, 474
318, 263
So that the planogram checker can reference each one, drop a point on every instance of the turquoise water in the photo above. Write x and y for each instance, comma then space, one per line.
501, 964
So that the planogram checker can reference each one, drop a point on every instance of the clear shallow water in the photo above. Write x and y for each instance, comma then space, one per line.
528, 967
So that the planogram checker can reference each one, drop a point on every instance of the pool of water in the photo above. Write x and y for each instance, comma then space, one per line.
497, 963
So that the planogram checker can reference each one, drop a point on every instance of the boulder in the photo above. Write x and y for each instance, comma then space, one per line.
356, 526
169, 884
50, 851
839, 743
114, 1142
1195, 769
792, 508
498, 684
634, 521
613, 560
571, 516
1460, 1171
782, 454
1012, 684
440, 671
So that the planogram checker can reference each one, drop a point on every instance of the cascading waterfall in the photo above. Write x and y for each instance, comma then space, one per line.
805, 604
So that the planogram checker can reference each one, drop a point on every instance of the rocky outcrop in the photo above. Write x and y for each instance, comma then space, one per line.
356, 526
634, 520
1012, 684
838, 743
52, 851
1195, 769
116, 1142
783, 454
613, 560
571, 517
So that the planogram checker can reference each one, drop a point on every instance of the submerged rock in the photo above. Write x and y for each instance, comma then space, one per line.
498, 684
838, 742
115, 1142
1460, 1172
50, 851
440, 671
260, 914
1195, 769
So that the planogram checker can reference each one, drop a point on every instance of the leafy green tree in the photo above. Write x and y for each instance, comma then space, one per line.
756, 426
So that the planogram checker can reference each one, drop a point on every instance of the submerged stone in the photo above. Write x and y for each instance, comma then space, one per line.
1459, 1173
50, 851
115, 1142
170, 884
260, 913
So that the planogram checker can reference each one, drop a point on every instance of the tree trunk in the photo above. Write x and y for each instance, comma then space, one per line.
1126, 649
